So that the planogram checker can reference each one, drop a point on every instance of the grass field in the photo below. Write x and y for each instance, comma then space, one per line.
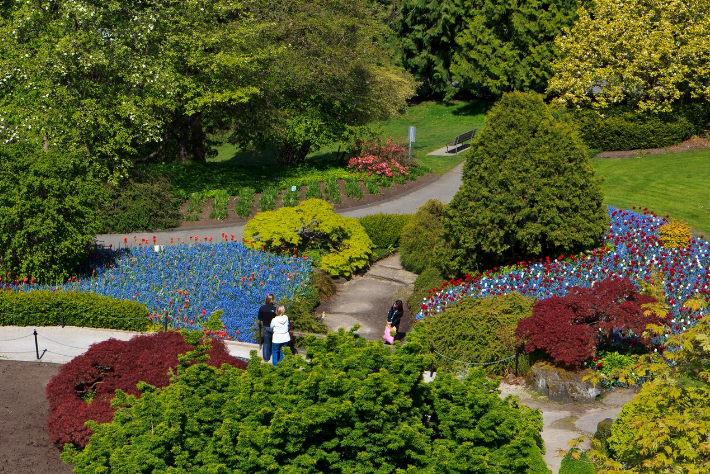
675, 184
436, 123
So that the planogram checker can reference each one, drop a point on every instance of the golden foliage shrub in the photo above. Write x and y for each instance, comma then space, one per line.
675, 234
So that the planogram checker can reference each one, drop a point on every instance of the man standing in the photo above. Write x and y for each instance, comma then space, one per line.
266, 313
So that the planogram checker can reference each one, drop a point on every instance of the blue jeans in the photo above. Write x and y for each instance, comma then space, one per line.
268, 333
278, 354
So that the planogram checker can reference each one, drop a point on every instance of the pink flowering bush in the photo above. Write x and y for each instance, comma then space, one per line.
377, 158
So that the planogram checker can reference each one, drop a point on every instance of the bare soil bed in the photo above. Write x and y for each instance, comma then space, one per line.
25, 447
346, 202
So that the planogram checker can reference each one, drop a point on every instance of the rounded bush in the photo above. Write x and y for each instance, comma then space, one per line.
83, 388
529, 190
384, 229
576, 465
475, 330
313, 225
420, 235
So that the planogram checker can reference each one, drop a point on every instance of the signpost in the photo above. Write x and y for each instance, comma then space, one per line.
412, 136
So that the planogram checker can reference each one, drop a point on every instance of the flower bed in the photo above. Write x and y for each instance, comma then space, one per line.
186, 283
632, 248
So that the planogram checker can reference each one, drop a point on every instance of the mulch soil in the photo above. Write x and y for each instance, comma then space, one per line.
25, 447
346, 202
692, 144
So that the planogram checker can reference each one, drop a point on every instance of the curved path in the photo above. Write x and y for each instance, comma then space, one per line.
442, 189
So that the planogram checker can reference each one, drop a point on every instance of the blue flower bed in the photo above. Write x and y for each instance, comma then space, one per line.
187, 283
632, 249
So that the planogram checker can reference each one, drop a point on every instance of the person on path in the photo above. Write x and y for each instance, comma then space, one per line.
281, 337
266, 313
394, 318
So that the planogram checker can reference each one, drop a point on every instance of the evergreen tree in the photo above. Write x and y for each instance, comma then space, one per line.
528, 190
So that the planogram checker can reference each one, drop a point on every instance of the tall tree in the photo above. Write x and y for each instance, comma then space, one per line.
332, 72
425, 43
117, 80
528, 190
649, 53
508, 45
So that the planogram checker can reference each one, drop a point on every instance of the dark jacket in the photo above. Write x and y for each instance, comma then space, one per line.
266, 314
394, 317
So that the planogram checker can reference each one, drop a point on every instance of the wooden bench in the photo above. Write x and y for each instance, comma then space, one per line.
461, 139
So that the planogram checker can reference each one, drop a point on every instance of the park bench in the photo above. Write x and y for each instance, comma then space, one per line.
460, 140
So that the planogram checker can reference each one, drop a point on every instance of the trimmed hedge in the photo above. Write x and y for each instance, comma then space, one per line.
429, 279
45, 308
384, 229
620, 129
420, 235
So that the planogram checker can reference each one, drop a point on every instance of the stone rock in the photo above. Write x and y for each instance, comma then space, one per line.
561, 385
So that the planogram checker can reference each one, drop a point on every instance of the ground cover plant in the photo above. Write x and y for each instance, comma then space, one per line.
631, 249
348, 406
185, 283
341, 243
84, 387
649, 180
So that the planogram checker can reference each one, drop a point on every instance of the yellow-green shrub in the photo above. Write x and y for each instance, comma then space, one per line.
313, 225
675, 234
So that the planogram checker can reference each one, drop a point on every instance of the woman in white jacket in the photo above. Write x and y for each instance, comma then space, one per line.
281, 336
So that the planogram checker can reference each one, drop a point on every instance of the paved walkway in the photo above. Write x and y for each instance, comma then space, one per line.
442, 189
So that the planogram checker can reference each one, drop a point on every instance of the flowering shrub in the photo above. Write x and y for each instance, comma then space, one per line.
83, 388
632, 249
187, 283
675, 234
570, 327
381, 159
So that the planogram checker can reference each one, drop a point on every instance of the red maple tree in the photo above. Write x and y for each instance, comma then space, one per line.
83, 388
569, 328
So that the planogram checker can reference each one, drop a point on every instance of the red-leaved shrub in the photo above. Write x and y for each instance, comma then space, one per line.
83, 388
570, 327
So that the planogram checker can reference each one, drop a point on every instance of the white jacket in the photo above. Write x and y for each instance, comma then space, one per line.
280, 326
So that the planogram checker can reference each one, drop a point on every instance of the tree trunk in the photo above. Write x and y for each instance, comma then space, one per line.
183, 140
197, 138
292, 153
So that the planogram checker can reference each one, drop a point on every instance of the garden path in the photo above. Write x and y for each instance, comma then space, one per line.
443, 189
366, 299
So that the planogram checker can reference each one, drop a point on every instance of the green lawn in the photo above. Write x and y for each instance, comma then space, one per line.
437, 124
675, 184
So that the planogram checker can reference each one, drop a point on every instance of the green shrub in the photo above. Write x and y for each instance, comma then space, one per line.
621, 128
46, 308
323, 283
384, 229
49, 213
602, 435
267, 201
214, 323
142, 202
352, 188
420, 235
349, 406
194, 206
576, 465
313, 190
220, 200
246, 199
529, 190
290, 198
380, 253
429, 279
313, 225
372, 186
475, 331
300, 310
332, 190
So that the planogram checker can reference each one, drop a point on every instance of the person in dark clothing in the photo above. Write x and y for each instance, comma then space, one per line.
266, 313
394, 317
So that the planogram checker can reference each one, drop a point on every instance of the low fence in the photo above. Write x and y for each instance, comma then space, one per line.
36, 350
